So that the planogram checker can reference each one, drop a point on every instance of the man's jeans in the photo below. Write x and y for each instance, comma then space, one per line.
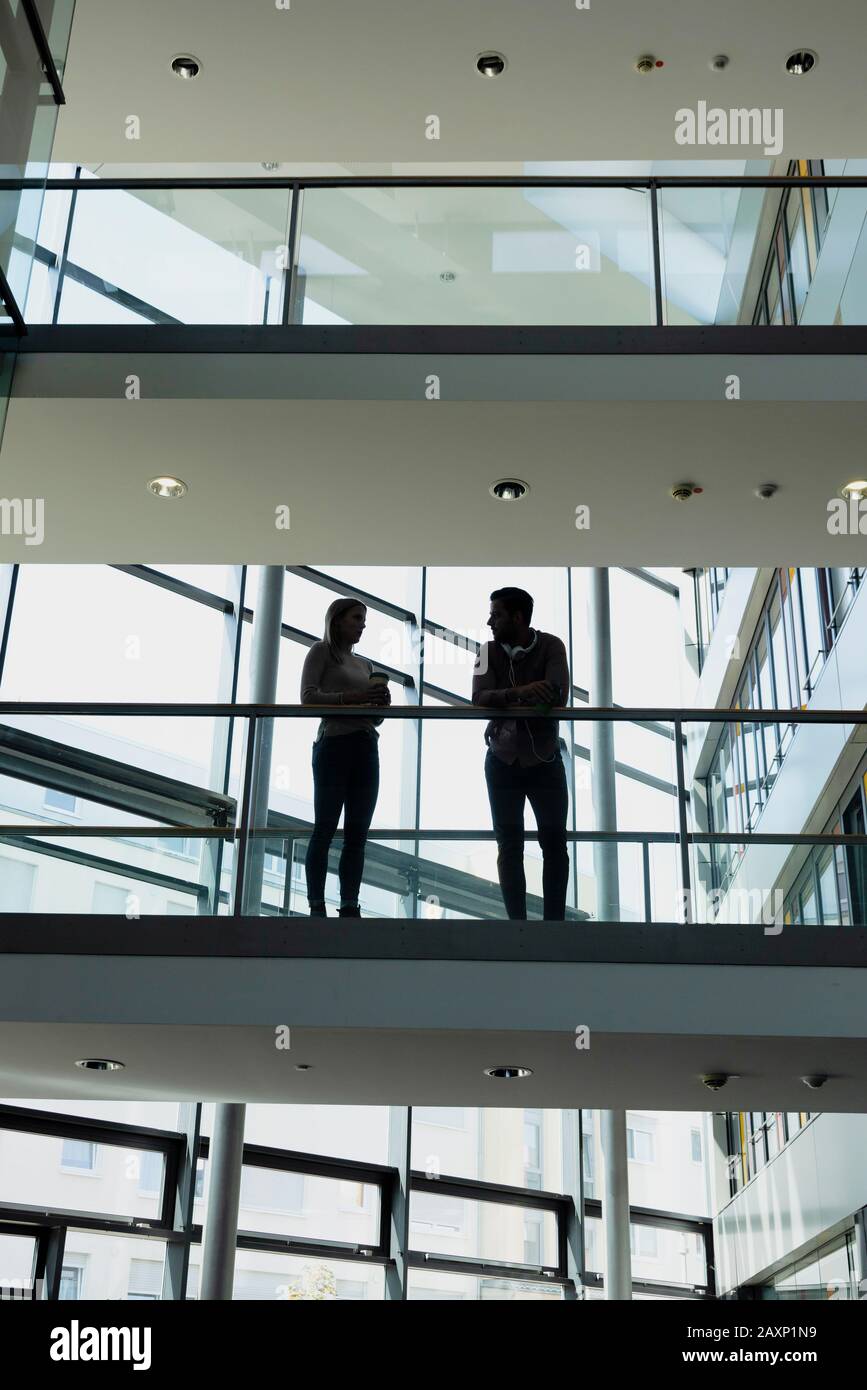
345, 778
509, 785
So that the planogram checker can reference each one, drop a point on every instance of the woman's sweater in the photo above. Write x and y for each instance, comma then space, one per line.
324, 681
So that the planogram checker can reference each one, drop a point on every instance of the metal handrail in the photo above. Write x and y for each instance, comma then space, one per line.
622, 714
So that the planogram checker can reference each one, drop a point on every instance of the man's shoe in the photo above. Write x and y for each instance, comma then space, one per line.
354, 911
318, 910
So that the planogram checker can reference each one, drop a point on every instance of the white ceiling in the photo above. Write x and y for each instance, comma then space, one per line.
338, 81
406, 481
385, 1030
418, 1067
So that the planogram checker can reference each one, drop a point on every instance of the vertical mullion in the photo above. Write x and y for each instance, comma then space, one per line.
399, 1151
180, 1197
9, 582
573, 848
64, 255
570, 1224
683, 829
657, 258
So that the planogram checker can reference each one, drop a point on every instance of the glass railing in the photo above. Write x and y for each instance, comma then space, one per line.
101, 825
497, 252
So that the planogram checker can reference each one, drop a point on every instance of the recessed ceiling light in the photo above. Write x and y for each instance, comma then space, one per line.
491, 64
508, 1073
509, 490
856, 489
99, 1064
448, 277
186, 66
167, 487
800, 62
269, 165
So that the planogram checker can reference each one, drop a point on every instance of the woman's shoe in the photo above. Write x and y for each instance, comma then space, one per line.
354, 911
318, 910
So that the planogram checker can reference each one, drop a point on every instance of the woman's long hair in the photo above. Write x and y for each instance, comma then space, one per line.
335, 612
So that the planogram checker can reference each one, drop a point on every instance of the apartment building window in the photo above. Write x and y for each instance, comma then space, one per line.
150, 1179
533, 1149
533, 1239
447, 1116
17, 880
78, 1155
644, 1242
272, 1189
438, 1214
640, 1143
145, 1280
588, 1153
71, 1282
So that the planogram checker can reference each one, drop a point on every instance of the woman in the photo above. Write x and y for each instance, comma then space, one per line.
345, 754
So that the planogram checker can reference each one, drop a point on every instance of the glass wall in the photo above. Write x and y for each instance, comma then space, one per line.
183, 634
828, 1273
107, 1179
755, 1137
421, 255
801, 620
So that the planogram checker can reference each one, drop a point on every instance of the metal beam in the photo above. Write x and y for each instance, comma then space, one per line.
457, 340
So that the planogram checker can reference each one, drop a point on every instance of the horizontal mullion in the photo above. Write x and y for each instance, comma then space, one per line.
473, 1189
487, 1269
136, 1226
316, 1165
57, 1124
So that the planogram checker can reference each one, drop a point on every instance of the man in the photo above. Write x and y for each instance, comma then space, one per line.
523, 667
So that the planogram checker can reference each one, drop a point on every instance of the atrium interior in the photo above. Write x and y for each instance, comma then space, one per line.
313, 316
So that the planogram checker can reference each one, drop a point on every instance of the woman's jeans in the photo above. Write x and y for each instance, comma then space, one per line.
345, 778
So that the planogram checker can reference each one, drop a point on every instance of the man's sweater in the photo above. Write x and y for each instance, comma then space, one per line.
526, 741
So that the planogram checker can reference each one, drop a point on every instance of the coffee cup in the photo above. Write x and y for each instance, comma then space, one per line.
378, 678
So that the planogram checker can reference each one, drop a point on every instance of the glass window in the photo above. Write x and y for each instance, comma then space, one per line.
17, 1265
145, 1280
482, 1230
451, 1117
640, 1145
269, 1189
60, 801
110, 1266
433, 1286
71, 1280
78, 1154
473, 255
17, 879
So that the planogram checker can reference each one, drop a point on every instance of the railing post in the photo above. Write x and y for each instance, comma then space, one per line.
290, 281
657, 258
683, 826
